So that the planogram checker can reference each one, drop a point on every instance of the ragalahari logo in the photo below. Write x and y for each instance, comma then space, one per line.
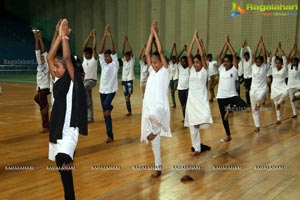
236, 10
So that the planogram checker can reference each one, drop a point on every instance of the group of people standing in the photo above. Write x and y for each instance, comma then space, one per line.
193, 75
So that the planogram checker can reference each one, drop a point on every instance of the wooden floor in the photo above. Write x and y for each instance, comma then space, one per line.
268, 163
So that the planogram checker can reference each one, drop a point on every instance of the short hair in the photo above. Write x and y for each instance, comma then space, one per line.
107, 52
209, 55
247, 54
197, 56
183, 58
128, 53
260, 58
88, 50
156, 54
295, 59
279, 59
229, 57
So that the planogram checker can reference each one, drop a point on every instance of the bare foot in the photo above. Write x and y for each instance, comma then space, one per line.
186, 178
109, 140
294, 116
151, 136
278, 122
278, 107
156, 174
257, 107
227, 139
196, 153
226, 116
257, 129
45, 130
128, 114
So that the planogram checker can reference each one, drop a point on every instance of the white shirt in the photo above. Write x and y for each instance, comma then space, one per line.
212, 68
246, 64
128, 69
294, 76
227, 82
183, 80
109, 74
90, 68
42, 75
144, 71
259, 76
174, 71
279, 76
240, 69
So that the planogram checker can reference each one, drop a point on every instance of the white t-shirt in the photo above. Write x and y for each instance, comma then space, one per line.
212, 68
246, 64
227, 82
259, 76
109, 74
294, 76
90, 68
42, 75
183, 80
174, 71
128, 69
144, 71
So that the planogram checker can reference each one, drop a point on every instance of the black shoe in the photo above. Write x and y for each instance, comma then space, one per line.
192, 149
205, 148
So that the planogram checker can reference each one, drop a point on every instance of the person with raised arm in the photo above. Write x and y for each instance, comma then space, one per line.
69, 111
156, 110
227, 95
198, 114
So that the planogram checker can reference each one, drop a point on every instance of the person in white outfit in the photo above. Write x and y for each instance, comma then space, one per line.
156, 110
90, 61
144, 73
293, 77
246, 58
198, 114
69, 111
127, 74
279, 90
259, 87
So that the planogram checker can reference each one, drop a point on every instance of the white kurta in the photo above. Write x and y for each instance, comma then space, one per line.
156, 111
197, 107
69, 139
294, 77
278, 86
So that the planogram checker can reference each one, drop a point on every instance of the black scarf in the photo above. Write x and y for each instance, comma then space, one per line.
79, 108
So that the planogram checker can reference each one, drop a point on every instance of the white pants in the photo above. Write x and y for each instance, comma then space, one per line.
195, 138
156, 152
277, 101
257, 97
292, 92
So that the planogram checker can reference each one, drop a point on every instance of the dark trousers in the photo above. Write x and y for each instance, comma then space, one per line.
247, 85
183, 95
128, 90
236, 101
173, 87
106, 100
41, 99
66, 175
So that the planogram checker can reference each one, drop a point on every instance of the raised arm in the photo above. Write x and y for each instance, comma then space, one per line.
189, 52
43, 48
159, 46
64, 33
37, 42
141, 52
111, 40
255, 50
202, 52
87, 40
148, 48
95, 44
264, 49
280, 49
231, 49
291, 53
102, 45
172, 51
219, 56
124, 44
54, 46
129, 47
203, 47
181, 52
